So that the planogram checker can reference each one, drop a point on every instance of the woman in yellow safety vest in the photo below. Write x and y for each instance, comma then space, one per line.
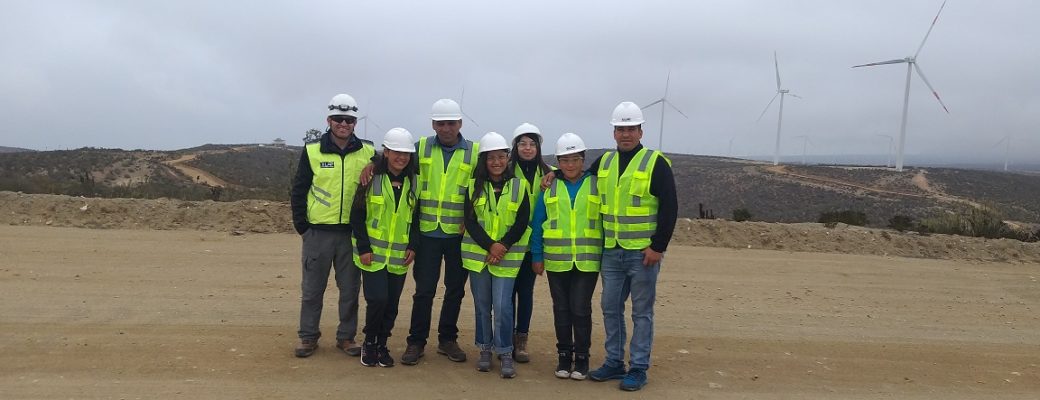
385, 223
526, 163
567, 242
494, 243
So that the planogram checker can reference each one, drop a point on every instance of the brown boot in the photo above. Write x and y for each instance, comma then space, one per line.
520, 353
306, 347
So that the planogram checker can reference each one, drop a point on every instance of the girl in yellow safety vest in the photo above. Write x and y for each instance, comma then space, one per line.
385, 223
494, 243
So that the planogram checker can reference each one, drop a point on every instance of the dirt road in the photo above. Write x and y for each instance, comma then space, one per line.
188, 314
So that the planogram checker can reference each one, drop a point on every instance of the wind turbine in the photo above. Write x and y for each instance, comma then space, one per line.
461, 99
780, 116
911, 64
1007, 149
367, 119
888, 162
664, 100
805, 141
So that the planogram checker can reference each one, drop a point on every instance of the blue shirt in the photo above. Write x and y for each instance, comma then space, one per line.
540, 215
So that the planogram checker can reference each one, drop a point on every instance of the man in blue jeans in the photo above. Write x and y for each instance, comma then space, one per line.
639, 209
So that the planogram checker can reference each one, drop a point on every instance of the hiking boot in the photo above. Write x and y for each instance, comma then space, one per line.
385, 360
452, 350
563, 367
370, 355
520, 348
412, 354
634, 380
306, 347
606, 373
508, 370
484, 363
349, 346
581, 367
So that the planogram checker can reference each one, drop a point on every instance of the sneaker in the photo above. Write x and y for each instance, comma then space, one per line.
306, 347
484, 363
508, 370
634, 380
385, 360
452, 350
581, 367
563, 367
412, 354
606, 373
370, 355
349, 346
520, 353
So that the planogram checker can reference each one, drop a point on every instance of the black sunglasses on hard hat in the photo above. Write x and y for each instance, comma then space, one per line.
342, 108
343, 119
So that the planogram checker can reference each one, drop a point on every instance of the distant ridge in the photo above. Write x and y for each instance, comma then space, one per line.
4, 149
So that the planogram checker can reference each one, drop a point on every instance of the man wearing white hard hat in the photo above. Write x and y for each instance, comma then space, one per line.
387, 211
446, 162
639, 211
325, 183
567, 244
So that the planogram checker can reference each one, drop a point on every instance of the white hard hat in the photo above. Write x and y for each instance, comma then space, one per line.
493, 141
399, 139
569, 143
627, 114
343, 104
446, 110
527, 128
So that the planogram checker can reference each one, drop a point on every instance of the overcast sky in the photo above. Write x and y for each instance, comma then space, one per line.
176, 74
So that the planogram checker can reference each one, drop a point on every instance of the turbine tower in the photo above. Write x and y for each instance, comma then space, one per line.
911, 64
780, 116
664, 100
1007, 149
805, 142
888, 161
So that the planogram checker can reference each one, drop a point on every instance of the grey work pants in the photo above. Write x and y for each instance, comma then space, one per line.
323, 251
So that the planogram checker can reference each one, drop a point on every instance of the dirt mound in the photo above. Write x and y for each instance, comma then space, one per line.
260, 216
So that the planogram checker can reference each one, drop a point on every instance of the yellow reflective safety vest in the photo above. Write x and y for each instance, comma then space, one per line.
496, 216
629, 210
442, 191
572, 234
335, 181
534, 188
388, 222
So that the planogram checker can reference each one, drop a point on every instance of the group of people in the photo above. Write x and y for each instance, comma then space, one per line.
496, 215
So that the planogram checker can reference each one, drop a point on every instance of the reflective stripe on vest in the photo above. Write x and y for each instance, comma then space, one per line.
629, 210
388, 222
442, 190
334, 183
496, 216
572, 233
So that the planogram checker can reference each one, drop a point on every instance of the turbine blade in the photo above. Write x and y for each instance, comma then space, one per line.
930, 29
469, 117
794, 95
934, 93
897, 61
376, 125
667, 81
651, 104
776, 64
767, 107
676, 109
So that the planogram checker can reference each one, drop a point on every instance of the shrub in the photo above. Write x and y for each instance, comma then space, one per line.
741, 214
901, 223
850, 217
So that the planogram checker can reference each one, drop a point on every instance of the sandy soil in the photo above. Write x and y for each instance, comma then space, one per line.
92, 313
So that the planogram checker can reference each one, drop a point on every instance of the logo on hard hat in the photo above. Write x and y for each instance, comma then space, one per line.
626, 119
571, 147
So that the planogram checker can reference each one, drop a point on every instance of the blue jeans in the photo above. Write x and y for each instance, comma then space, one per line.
492, 294
623, 273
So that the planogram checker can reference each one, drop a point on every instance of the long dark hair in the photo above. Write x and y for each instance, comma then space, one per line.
514, 156
382, 167
481, 176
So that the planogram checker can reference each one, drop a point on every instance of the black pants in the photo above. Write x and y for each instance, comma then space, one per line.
382, 296
572, 309
523, 296
427, 273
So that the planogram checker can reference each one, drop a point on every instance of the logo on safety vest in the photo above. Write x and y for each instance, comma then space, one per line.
328, 164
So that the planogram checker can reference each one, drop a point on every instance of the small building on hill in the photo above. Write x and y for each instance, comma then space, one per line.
278, 142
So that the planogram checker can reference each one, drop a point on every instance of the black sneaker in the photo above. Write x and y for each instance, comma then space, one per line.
369, 355
581, 367
563, 367
385, 360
